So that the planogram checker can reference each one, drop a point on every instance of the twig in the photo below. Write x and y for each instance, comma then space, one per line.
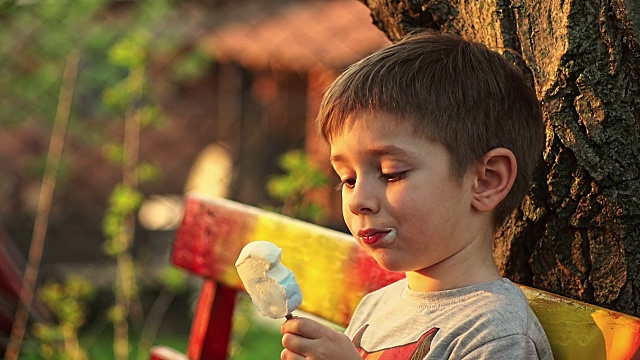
45, 200
152, 323
126, 283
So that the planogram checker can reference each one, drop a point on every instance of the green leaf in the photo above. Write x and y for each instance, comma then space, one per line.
46, 332
116, 96
113, 152
147, 172
150, 116
124, 199
130, 51
111, 225
174, 279
191, 67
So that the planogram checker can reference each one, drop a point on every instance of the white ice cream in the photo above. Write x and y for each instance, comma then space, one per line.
272, 287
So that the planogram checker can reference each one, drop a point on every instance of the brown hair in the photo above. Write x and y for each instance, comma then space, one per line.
452, 91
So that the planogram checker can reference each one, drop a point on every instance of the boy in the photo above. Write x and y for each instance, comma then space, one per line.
435, 140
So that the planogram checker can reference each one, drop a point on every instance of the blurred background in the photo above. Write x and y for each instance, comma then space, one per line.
110, 110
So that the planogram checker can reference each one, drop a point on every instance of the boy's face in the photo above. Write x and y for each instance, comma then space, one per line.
399, 198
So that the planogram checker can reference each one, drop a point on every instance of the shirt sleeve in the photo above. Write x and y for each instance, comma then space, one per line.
507, 348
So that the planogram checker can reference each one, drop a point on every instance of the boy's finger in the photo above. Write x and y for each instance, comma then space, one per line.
290, 355
296, 343
304, 327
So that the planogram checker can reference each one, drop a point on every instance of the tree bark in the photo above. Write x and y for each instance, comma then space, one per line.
577, 233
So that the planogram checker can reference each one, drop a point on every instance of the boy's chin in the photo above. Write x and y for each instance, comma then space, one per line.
391, 265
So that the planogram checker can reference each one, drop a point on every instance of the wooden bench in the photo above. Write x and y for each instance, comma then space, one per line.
334, 273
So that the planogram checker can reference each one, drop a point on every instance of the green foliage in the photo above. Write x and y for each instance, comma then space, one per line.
113, 152
252, 339
116, 96
6, 6
116, 314
128, 96
150, 116
112, 87
300, 176
131, 54
292, 188
36, 38
68, 304
147, 172
123, 201
191, 67
174, 279
131, 100
131, 51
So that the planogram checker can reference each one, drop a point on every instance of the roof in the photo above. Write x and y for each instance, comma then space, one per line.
299, 36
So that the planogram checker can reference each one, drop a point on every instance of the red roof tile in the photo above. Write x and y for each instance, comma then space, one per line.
330, 33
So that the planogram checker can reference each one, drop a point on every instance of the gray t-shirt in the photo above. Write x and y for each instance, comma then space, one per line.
485, 321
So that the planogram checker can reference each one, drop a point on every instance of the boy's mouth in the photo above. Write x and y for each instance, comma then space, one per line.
377, 236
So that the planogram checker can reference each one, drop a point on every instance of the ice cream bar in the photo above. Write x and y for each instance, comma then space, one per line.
272, 287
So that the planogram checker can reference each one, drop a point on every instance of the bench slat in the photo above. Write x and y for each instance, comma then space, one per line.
214, 231
577, 330
334, 273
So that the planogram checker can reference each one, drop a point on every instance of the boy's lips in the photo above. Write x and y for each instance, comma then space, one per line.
377, 236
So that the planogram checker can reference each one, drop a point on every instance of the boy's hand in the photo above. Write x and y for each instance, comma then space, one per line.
307, 339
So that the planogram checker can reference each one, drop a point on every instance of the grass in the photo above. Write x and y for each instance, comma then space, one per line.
101, 347
254, 337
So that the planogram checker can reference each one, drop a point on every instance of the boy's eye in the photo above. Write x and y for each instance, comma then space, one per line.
393, 177
350, 183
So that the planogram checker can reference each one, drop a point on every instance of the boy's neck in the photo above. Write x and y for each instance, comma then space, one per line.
419, 282
471, 266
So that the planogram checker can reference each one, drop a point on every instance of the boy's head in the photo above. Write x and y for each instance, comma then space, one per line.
451, 91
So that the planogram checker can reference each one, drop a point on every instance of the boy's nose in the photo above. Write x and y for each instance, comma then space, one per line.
362, 199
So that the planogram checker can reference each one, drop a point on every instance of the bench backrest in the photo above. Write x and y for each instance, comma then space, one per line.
334, 273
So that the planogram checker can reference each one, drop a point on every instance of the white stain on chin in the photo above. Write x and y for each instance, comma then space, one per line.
388, 239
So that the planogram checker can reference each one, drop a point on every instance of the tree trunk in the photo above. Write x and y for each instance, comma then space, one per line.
578, 231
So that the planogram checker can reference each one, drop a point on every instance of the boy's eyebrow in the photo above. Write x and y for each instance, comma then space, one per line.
386, 150
392, 150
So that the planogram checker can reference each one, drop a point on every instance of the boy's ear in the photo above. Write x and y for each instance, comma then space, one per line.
495, 175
